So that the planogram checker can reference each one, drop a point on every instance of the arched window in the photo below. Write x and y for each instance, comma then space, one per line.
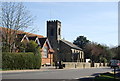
59, 31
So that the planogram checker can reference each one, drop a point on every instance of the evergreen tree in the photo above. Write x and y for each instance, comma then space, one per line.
81, 41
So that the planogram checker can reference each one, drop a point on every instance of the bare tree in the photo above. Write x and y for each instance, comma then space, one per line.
14, 17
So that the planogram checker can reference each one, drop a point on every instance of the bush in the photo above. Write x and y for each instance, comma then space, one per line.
20, 60
29, 60
32, 46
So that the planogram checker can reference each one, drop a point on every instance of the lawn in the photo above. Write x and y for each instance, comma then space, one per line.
106, 77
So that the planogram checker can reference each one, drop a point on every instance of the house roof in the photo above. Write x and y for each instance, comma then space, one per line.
51, 50
20, 32
32, 35
70, 44
20, 36
42, 41
32, 38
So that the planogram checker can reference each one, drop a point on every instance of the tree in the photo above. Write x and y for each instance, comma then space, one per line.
116, 51
22, 46
92, 51
81, 41
32, 46
97, 52
14, 17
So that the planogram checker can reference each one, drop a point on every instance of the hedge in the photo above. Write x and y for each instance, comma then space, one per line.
20, 60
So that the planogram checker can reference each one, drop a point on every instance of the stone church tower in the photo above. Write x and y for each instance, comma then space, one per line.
54, 36
64, 50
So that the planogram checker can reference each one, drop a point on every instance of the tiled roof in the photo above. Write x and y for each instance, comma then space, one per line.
32, 35
21, 32
32, 38
20, 36
70, 44
42, 41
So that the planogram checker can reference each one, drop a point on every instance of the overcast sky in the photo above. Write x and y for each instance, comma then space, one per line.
98, 21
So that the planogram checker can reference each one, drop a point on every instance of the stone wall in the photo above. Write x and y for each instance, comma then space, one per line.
65, 52
82, 65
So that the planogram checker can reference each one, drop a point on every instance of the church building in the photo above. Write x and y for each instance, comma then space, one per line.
64, 50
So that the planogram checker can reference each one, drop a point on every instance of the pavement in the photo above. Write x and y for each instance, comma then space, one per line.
43, 68
46, 80
30, 70
48, 68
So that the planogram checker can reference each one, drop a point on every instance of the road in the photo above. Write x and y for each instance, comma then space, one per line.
56, 74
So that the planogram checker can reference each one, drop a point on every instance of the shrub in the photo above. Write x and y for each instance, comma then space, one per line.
20, 60
32, 46
29, 60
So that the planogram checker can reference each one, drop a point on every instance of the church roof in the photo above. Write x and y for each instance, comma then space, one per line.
71, 44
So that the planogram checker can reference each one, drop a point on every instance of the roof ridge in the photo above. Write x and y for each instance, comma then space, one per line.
22, 32
71, 44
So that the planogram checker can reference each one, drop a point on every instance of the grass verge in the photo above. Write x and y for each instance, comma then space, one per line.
106, 77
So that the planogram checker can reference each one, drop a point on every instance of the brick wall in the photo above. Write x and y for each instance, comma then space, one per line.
48, 60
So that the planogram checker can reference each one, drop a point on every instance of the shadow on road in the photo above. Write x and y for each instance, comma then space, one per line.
89, 78
95, 74
85, 79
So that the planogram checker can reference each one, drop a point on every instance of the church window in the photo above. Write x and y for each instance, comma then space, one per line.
59, 31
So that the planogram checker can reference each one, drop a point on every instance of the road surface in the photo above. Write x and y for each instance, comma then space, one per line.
56, 74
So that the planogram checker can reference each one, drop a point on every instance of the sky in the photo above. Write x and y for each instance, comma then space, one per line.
98, 21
